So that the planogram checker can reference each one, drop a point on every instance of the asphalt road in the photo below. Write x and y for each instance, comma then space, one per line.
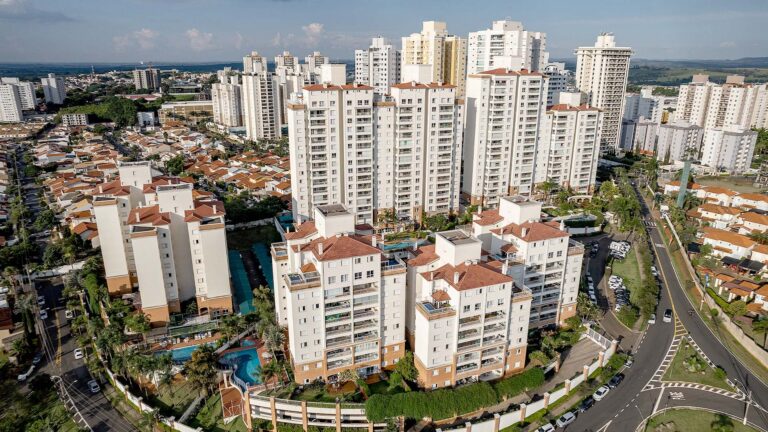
95, 408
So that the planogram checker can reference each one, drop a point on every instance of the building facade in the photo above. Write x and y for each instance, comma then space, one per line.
711, 105
158, 236
10, 104
26, 92
378, 66
678, 141
728, 148
148, 78
227, 101
54, 89
506, 45
446, 53
601, 73
261, 106
340, 296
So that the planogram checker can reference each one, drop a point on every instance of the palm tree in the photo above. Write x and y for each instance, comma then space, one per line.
266, 372
231, 326
138, 323
201, 369
26, 304
273, 339
546, 188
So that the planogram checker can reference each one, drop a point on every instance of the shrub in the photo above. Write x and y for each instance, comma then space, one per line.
517, 384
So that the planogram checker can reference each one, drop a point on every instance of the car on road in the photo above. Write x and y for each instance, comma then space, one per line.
667, 316
37, 358
43, 314
23, 376
546, 428
586, 404
654, 272
93, 386
600, 393
566, 419
79, 353
69, 314
652, 319
616, 380
630, 361
40, 300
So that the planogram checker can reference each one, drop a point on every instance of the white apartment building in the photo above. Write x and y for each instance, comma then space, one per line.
399, 154
638, 136
506, 45
678, 141
148, 78
711, 105
569, 147
550, 261
560, 81
315, 60
261, 106
155, 235
641, 105
254, 63
446, 53
601, 73
341, 298
286, 60
728, 148
504, 113
10, 104
26, 92
227, 101
467, 319
74, 119
378, 66
54, 89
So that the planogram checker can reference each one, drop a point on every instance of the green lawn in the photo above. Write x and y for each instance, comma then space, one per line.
209, 418
242, 240
689, 420
174, 399
679, 371
382, 387
738, 184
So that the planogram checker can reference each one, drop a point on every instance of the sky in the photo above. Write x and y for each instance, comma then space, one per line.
224, 30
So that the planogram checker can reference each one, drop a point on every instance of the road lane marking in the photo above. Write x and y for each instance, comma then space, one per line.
658, 400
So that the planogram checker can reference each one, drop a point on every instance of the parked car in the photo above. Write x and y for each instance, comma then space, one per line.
43, 314
667, 315
546, 428
629, 362
94, 386
40, 300
652, 319
586, 404
616, 380
600, 393
37, 358
69, 314
566, 419
79, 353
24, 376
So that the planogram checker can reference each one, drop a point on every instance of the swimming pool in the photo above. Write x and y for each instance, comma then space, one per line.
247, 362
180, 355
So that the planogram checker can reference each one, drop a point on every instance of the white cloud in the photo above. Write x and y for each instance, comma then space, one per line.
199, 41
313, 32
143, 39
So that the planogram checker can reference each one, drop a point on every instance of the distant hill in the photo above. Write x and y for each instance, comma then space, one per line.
746, 62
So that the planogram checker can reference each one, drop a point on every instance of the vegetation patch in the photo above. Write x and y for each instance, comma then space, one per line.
689, 366
691, 420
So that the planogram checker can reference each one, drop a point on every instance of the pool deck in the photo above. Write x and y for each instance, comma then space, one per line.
191, 342
260, 352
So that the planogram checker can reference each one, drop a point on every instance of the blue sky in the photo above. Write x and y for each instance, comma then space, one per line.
224, 30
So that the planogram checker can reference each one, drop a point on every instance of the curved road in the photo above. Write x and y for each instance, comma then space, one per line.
641, 393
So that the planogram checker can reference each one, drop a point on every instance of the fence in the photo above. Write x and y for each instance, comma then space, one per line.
748, 343
501, 421
139, 404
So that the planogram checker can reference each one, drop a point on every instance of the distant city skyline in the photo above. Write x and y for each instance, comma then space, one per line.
131, 31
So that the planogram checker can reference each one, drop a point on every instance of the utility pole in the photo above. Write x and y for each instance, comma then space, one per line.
68, 402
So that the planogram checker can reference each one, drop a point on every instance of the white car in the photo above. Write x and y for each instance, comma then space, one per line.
600, 393
40, 300
23, 377
43, 314
652, 319
79, 353
546, 428
69, 314
566, 419
94, 386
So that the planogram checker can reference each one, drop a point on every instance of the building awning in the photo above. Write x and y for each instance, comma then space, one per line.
750, 265
730, 261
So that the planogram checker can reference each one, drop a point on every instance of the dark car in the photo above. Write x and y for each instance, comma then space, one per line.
616, 380
586, 403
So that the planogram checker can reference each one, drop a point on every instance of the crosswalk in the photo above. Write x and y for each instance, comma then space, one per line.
649, 223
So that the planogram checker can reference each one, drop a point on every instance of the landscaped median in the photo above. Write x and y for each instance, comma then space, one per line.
694, 420
690, 366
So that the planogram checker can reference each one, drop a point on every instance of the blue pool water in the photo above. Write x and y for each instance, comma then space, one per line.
243, 293
247, 362
181, 355
247, 343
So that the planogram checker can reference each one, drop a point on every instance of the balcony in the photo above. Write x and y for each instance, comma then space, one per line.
339, 330
330, 343
366, 336
339, 364
468, 345
338, 353
495, 316
279, 251
338, 318
435, 309
336, 306
367, 288
392, 265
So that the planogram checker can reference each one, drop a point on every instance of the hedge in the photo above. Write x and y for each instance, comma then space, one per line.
450, 402
519, 383
719, 300
437, 405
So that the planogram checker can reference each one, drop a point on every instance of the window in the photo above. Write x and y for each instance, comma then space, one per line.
369, 273
331, 279
358, 275
344, 278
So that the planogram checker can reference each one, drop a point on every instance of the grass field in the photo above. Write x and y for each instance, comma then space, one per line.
209, 418
242, 240
689, 420
678, 370
739, 184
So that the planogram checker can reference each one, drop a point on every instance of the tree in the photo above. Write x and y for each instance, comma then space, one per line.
231, 326
406, 368
538, 358
722, 423
201, 369
546, 188
265, 373
348, 375
273, 338
175, 165
587, 310
138, 322
737, 308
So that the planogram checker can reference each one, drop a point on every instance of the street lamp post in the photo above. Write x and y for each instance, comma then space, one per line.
642, 418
